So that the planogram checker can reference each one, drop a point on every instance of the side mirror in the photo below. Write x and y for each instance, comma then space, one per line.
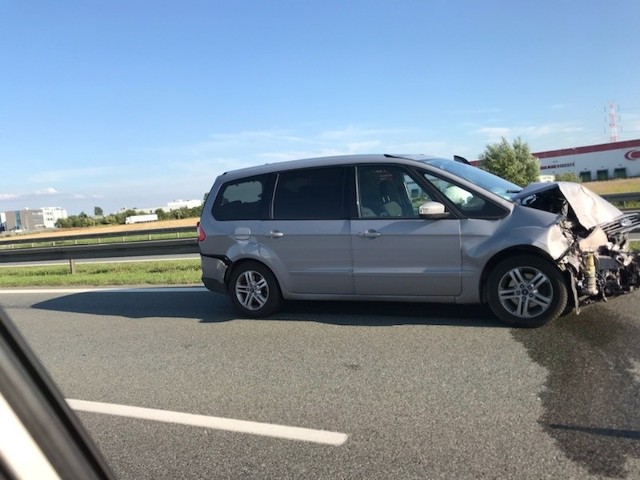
432, 210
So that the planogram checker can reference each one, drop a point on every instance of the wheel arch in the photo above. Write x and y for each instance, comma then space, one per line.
241, 261
255, 295
511, 251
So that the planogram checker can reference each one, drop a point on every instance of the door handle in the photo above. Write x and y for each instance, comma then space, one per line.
369, 234
274, 234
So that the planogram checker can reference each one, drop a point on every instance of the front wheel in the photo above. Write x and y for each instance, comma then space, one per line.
254, 290
526, 291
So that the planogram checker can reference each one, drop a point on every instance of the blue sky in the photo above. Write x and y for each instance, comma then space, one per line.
137, 103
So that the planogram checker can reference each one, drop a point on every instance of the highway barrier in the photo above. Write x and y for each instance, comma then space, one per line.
101, 245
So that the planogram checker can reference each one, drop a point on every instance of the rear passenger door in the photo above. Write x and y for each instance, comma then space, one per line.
308, 239
395, 252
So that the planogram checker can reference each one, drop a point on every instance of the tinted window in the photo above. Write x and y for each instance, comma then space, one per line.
315, 194
242, 200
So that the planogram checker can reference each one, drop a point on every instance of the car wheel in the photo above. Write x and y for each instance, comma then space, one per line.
254, 290
526, 291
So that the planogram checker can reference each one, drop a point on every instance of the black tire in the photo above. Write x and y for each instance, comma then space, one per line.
254, 290
526, 291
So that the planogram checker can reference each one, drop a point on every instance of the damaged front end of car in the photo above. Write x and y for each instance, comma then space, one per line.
598, 261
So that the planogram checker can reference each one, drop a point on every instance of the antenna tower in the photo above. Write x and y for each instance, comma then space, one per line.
614, 118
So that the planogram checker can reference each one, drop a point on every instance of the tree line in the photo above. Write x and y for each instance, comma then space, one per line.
98, 218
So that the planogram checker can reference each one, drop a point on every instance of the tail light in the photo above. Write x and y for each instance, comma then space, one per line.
201, 234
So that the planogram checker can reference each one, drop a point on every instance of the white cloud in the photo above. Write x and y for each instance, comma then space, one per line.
495, 134
46, 191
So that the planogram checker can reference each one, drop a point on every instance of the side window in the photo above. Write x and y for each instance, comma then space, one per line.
467, 202
388, 191
312, 194
242, 199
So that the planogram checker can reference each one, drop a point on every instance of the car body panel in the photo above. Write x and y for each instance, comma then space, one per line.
413, 257
313, 256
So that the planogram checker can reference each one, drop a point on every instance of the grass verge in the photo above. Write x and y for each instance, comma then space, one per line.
169, 272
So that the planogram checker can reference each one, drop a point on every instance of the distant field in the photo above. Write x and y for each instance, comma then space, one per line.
623, 185
62, 232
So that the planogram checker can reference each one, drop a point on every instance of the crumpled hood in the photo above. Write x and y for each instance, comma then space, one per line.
590, 208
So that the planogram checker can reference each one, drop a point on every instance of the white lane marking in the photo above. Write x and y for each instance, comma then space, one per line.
174, 289
229, 424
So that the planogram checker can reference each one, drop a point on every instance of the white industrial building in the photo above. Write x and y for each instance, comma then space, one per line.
51, 215
177, 204
594, 162
29, 220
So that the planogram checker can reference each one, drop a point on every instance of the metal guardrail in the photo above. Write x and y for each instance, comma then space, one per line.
49, 248
79, 252
13, 242
622, 197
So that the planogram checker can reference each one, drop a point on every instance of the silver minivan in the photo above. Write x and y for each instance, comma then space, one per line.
411, 228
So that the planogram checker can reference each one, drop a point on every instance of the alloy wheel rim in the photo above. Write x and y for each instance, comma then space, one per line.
252, 290
525, 292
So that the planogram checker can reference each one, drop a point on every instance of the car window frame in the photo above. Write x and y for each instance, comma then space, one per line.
451, 206
267, 193
347, 196
417, 177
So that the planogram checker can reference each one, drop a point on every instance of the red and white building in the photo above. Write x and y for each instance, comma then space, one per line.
594, 162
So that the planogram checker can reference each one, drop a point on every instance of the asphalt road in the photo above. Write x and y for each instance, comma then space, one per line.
415, 391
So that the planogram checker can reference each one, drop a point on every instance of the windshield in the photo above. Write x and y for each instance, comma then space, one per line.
480, 177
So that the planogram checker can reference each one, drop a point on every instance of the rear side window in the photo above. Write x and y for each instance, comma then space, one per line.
242, 199
313, 194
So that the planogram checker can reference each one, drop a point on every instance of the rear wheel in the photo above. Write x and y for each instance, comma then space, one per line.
526, 291
254, 290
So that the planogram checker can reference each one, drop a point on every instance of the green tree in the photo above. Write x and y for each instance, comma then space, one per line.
98, 212
162, 215
511, 162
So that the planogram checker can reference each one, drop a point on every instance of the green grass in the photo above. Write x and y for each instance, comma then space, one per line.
170, 272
